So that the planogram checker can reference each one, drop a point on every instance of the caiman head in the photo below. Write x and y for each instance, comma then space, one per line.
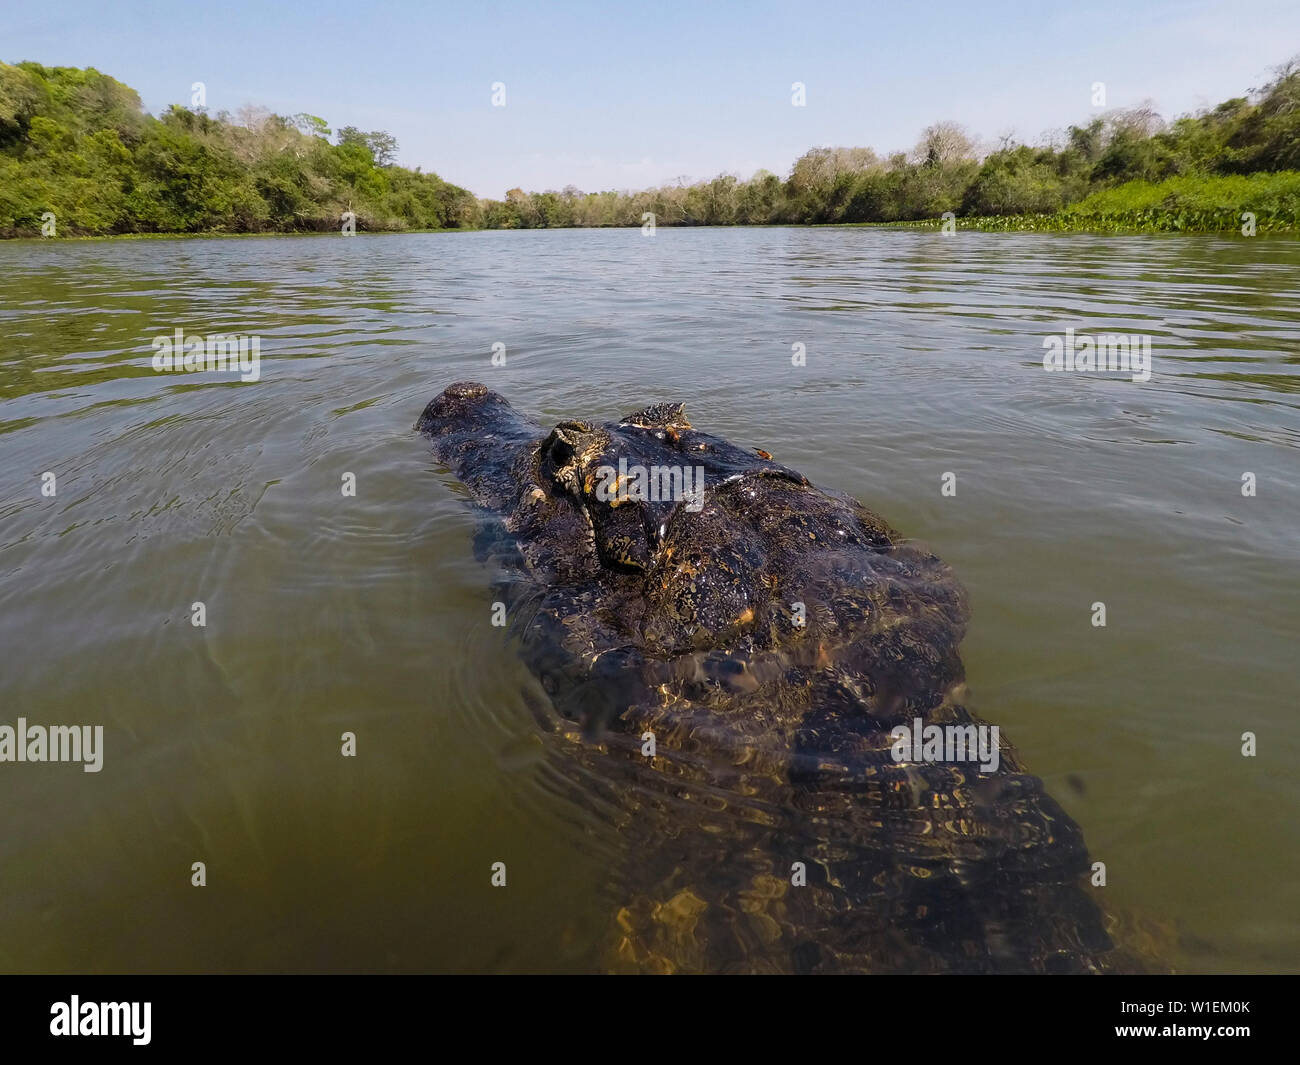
711, 570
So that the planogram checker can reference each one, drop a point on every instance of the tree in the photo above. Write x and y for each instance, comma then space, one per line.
383, 146
351, 135
19, 99
943, 143
312, 125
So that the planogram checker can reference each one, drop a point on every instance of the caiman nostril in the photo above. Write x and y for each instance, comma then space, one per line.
466, 390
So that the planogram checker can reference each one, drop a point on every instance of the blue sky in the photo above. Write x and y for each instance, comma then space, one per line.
626, 96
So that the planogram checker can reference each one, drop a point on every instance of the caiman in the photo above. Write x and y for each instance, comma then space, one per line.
753, 644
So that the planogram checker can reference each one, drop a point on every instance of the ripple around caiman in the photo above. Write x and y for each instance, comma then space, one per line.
678, 617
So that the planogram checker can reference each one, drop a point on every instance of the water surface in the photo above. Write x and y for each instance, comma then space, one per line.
328, 613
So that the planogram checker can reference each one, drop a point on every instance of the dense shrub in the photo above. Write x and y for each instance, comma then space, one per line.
76, 143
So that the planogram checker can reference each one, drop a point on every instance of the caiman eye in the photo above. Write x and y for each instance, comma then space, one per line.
559, 453
562, 452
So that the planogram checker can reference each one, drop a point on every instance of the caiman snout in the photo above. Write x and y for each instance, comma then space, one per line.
454, 406
481, 437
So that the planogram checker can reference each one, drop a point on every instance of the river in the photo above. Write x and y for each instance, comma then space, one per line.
328, 613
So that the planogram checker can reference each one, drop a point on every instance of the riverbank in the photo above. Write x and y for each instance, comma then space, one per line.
1247, 204
80, 157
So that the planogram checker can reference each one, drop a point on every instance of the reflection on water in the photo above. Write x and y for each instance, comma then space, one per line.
329, 613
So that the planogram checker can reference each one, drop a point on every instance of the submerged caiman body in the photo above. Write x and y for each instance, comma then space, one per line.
750, 643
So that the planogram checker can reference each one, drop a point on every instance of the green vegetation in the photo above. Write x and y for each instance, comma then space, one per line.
1124, 170
76, 143
1194, 203
1190, 204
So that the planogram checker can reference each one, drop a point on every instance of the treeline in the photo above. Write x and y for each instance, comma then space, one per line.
947, 171
77, 145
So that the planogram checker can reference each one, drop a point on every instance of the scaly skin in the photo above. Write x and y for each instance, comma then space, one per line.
773, 737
